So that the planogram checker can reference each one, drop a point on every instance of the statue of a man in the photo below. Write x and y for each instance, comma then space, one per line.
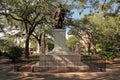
59, 17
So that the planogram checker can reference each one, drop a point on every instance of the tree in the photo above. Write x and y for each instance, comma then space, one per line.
101, 20
30, 13
97, 6
5, 44
27, 14
108, 43
71, 42
41, 34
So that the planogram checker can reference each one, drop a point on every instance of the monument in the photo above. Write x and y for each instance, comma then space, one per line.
60, 56
59, 15
59, 32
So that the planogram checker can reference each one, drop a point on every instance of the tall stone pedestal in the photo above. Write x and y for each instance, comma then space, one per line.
60, 42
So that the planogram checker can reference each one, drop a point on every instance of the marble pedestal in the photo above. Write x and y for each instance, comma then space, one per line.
60, 42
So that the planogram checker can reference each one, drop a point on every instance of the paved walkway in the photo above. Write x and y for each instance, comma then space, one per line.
112, 73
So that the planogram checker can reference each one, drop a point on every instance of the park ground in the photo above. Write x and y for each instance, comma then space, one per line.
112, 73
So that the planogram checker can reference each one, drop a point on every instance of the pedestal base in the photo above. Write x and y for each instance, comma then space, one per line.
65, 62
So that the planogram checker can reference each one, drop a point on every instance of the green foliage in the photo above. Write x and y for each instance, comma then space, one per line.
106, 34
14, 53
108, 49
50, 44
5, 44
34, 58
107, 55
27, 14
71, 42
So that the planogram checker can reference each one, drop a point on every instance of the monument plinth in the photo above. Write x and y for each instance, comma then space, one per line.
60, 42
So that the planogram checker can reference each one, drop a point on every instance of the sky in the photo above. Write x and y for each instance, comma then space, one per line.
76, 15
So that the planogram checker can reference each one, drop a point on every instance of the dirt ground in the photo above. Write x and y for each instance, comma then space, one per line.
112, 73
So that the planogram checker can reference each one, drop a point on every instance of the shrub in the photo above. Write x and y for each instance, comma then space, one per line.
108, 50
14, 53
107, 55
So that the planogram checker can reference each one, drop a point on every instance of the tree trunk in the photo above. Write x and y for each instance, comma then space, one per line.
38, 48
89, 48
38, 40
39, 44
27, 46
43, 42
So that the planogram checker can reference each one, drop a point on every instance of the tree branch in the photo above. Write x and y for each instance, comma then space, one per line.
103, 5
6, 14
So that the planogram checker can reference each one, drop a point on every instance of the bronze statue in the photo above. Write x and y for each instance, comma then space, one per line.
59, 17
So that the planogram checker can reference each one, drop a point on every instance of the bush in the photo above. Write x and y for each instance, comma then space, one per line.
14, 53
50, 44
107, 55
108, 50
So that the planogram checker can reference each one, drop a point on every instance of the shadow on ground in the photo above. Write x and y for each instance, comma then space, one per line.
77, 76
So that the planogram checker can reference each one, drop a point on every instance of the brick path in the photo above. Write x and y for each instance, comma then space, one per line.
113, 73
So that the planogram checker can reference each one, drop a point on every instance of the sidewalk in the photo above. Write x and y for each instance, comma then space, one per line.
113, 73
